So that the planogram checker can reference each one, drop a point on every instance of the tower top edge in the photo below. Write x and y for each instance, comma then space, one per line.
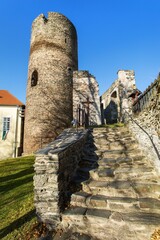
124, 70
52, 16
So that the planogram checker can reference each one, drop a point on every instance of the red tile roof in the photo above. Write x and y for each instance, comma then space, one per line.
7, 98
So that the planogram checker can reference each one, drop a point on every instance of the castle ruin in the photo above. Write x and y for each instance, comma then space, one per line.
98, 183
116, 100
86, 100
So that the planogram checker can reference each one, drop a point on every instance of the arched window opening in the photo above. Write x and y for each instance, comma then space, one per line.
34, 78
114, 94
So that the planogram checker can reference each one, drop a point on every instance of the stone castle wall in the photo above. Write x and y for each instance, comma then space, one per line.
147, 114
148, 105
85, 86
53, 58
115, 100
55, 167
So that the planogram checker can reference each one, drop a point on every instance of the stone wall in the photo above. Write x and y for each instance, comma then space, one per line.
55, 167
86, 87
146, 112
115, 101
148, 106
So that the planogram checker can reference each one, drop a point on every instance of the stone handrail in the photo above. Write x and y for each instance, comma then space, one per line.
55, 166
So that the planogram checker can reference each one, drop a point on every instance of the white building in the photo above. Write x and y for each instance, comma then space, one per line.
11, 125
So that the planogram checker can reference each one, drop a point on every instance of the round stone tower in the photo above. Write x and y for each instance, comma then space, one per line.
53, 58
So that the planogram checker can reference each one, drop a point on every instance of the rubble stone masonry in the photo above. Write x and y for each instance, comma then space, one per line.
53, 58
146, 112
55, 167
115, 101
85, 86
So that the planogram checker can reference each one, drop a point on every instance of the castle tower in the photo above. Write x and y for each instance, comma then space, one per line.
53, 58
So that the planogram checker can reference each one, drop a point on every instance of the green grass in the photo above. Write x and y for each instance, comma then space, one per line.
17, 211
119, 124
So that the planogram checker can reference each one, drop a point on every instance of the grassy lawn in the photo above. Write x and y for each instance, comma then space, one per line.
17, 212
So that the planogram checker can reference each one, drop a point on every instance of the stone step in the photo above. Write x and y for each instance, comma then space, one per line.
122, 188
116, 146
118, 225
111, 130
89, 159
109, 174
120, 204
134, 154
102, 172
121, 198
122, 153
85, 170
126, 168
137, 159
87, 163
112, 188
120, 139
112, 138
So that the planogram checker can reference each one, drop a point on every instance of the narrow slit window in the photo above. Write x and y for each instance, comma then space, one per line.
34, 78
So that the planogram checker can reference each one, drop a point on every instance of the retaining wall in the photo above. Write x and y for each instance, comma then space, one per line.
146, 112
55, 167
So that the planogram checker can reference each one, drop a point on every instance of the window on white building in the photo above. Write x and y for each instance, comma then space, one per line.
6, 127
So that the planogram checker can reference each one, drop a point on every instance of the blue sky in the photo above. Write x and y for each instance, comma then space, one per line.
112, 35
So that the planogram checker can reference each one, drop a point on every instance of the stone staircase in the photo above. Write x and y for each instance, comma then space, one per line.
120, 200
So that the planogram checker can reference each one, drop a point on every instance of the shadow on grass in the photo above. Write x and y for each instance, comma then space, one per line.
17, 175
9, 186
17, 223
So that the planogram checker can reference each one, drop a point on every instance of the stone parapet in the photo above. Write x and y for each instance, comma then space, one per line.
147, 97
145, 124
147, 108
55, 167
143, 131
